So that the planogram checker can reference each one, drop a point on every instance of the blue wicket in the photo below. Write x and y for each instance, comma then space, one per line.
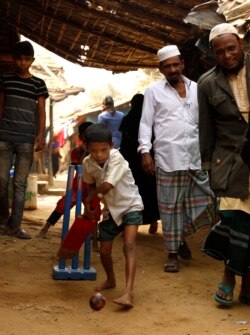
74, 272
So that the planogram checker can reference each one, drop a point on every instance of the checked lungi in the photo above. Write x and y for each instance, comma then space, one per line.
185, 204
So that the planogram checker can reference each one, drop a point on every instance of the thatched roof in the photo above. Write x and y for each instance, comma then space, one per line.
115, 35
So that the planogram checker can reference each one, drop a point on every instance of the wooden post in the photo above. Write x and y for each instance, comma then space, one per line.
51, 133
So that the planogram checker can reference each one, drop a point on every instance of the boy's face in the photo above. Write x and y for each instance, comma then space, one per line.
99, 151
23, 63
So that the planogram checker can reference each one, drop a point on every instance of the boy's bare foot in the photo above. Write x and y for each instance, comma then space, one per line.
44, 230
107, 284
126, 300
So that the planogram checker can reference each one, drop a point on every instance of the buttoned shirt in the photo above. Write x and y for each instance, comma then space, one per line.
238, 85
174, 121
124, 196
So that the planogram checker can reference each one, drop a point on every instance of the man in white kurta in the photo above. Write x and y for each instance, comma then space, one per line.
170, 113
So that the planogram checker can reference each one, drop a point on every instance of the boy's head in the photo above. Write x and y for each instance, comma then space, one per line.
98, 133
82, 128
98, 140
23, 55
24, 48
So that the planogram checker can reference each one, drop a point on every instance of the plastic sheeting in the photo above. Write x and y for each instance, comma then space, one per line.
207, 15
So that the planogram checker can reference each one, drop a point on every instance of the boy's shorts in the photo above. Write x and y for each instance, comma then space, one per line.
108, 229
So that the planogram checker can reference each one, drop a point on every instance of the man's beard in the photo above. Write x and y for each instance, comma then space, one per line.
173, 81
236, 69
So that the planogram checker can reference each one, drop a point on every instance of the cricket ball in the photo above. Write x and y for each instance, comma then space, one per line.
97, 301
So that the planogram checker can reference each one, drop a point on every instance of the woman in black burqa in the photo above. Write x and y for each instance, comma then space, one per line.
129, 144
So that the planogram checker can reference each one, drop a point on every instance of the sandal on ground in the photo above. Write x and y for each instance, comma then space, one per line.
19, 233
172, 265
153, 227
244, 299
184, 252
228, 291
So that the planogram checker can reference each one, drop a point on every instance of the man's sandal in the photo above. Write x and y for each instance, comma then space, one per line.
172, 265
19, 233
228, 292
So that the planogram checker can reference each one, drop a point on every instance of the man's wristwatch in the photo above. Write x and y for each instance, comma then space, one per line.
100, 195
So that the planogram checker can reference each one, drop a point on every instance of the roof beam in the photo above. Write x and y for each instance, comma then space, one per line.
141, 3
64, 52
159, 35
127, 9
63, 20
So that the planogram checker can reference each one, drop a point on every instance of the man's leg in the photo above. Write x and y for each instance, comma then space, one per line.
244, 296
129, 246
6, 154
171, 188
23, 162
224, 294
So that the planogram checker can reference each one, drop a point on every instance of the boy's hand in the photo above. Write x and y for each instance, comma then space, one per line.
92, 213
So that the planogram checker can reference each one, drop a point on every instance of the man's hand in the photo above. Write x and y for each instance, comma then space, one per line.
39, 143
147, 163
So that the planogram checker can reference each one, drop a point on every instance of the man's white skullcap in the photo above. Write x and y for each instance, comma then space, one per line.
168, 52
222, 28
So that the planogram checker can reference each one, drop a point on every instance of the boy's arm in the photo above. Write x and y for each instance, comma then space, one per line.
42, 119
99, 192
93, 192
91, 204
91, 210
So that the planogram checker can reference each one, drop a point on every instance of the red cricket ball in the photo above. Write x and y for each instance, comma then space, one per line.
97, 301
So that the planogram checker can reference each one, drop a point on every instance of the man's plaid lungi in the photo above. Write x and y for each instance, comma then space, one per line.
185, 204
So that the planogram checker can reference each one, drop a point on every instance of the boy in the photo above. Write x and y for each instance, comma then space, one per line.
110, 179
22, 103
77, 156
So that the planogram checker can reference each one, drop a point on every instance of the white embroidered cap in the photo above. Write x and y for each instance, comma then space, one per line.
222, 28
168, 52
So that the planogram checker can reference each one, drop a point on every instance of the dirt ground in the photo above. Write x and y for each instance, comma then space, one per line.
32, 302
